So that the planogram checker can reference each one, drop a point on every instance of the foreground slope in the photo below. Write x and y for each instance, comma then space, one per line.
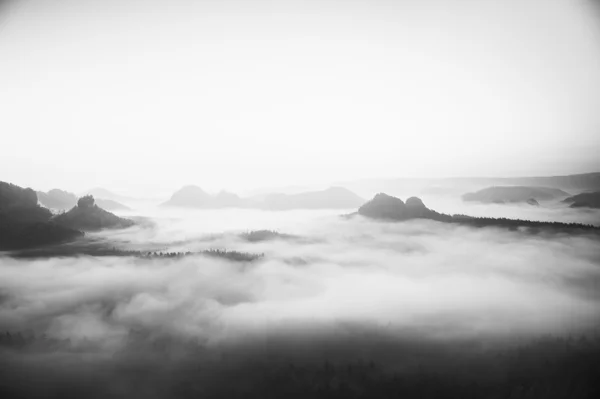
25, 224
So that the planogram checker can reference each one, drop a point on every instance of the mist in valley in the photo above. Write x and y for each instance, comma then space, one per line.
328, 289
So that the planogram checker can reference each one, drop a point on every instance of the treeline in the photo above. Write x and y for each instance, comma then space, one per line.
264, 235
103, 251
514, 224
548, 368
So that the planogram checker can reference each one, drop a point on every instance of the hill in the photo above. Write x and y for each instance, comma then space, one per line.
584, 200
57, 199
190, 197
87, 216
111, 205
64, 200
386, 207
455, 186
332, 198
515, 194
25, 224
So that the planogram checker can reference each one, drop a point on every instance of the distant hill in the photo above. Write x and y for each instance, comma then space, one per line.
111, 205
331, 198
25, 224
64, 200
190, 197
384, 206
87, 216
455, 186
515, 194
57, 199
584, 200
388, 208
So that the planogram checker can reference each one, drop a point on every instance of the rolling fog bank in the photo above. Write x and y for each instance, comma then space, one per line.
416, 296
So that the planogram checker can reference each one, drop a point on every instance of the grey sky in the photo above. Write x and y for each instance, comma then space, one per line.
136, 95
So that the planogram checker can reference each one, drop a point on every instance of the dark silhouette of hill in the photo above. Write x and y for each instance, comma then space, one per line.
386, 207
584, 200
88, 216
515, 194
331, 198
25, 224
15, 235
13, 195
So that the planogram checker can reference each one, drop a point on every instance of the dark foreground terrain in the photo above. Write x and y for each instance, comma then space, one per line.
367, 366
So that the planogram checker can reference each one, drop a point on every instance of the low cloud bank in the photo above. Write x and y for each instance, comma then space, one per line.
348, 288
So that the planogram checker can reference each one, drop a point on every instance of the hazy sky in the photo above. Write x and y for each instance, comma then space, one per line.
139, 95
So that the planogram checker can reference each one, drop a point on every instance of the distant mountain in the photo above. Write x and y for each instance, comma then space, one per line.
584, 200
331, 198
458, 185
388, 208
384, 206
25, 224
64, 200
111, 205
57, 199
225, 199
87, 216
190, 197
515, 194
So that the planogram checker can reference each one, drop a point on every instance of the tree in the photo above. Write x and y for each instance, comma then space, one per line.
86, 201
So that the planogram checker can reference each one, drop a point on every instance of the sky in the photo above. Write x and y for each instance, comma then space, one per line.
147, 96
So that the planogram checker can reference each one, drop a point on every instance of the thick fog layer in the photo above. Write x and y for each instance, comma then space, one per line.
331, 276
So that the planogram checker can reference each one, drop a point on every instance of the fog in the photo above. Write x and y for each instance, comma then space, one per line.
445, 281
333, 289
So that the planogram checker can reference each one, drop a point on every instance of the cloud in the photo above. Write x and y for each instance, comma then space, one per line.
409, 296
449, 281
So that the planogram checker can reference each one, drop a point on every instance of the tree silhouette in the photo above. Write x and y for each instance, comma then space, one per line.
86, 201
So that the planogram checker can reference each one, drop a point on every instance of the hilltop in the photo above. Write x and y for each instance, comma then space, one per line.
88, 216
331, 198
387, 207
